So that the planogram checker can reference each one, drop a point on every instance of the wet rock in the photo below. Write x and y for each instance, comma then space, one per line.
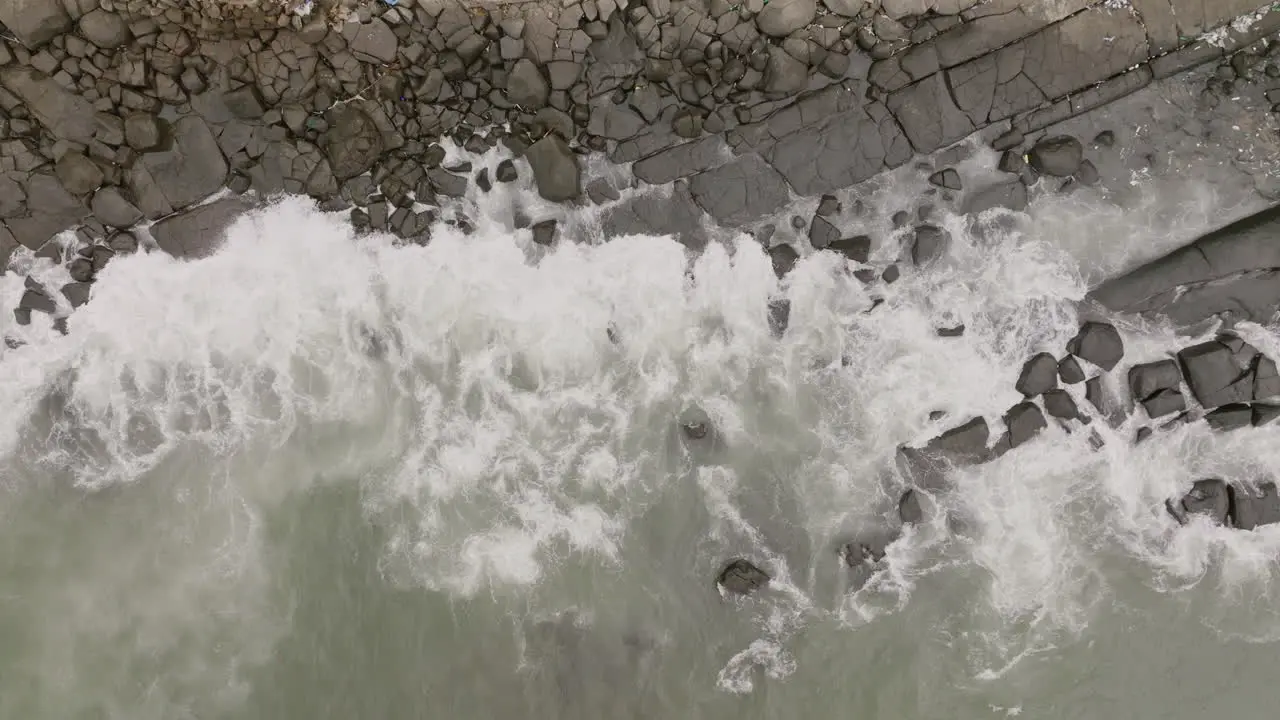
199, 232
105, 29
1099, 343
928, 244
506, 172
779, 317
780, 18
374, 42
1265, 414
744, 190
953, 331
65, 114
1069, 371
1266, 380
1213, 375
946, 178
1230, 417
1156, 386
742, 578
695, 424
1058, 404
784, 73
143, 132
784, 258
113, 209
1105, 139
828, 206
526, 85
909, 508
353, 142
1087, 174
891, 275
192, 169
1010, 194
1254, 507
1024, 421
1210, 498
1164, 402
857, 249
34, 22
1039, 375
966, 444
865, 551
245, 102
34, 299
544, 233
446, 183
1058, 156
78, 174
822, 233
76, 293
555, 169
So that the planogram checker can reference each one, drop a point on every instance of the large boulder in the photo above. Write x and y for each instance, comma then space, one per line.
928, 467
1214, 376
1207, 497
199, 232
741, 191
1039, 375
78, 174
1099, 343
1256, 506
1058, 156
780, 18
353, 143
742, 578
555, 169
65, 114
106, 30
1024, 421
909, 509
373, 41
34, 22
1156, 386
526, 86
190, 170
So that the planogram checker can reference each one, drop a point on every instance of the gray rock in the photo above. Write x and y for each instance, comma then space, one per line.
353, 143
783, 73
189, 171
1069, 371
965, 444
1210, 498
13, 199
34, 299
1254, 507
675, 215
563, 74
143, 132
1011, 194
76, 293
555, 169
1230, 417
615, 122
113, 210
828, 206
1164, 402
447, 183
34, 22
374, 42
784, 258
1213, 375
929, 244
742, 578
199, 232
822, 233
544, 233
526, 85
1264, 414
1039, 375
65, 114
78, 174
858, 249
1058, 156
105, 29
741, 191
779, 317
51, 209
946, 178
780, 18
1087, 174
909, 509
1024, 421
506, 172
1058, 404
1099, 343
679, 161
245, 102
1266, 380
1147, 379
846, 8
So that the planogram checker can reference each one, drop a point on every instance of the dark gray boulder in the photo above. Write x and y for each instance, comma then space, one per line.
1230, 417
779, 317
1163, 402
1255, 506
742, 578
1024, 421
192, 169
946, 178
555, 169
143, 132
1010, 194
506, 172
856, 248
780, 18
784, 258
1210, 498
77, 293
1266, 381
1058, 156
526, 85
741, 191
373, 42
1039, 375
1099, 343
107, 30
544, 233
245, 102
822, 233
784, 73
965, 444
113, 209
1214, 376
909, 509
34, 22
1059, 404
199, 232
1069, 371
67, 115
1264, 414
928, 244
353, 142
78, 174
1147, 379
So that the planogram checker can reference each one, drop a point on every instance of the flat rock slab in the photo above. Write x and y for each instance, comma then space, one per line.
67, 115
188, 172
1253, 507
742, 191
199, 232
555, 169
34, 22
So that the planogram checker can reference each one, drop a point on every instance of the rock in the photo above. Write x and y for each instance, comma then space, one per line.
76, 293
1069, 371
544, 233
1024, 421
909, 508
779, 317
526, 85
822, 233
245, 103
1163, 402
34, 299
143, 132
1254, 507
783, 73
784, 258
555, 169
1087, 174
199, 232
78, 174
1105, 139
353, 143
780, 18
1058, 156
741, 191
1210, 498
1058, 404
447, 183
113, 210
34, 22
742, 578
953, 331
892, 273
1039, 375
51, 209
1213, 376
1230, 417
846, 8
928, 244
190, 170
946, 178
65, 114
374, 42
1147, 379
1264, 414
1266, 380
966, 444
105, 29
858, 249
1099, 343
506, 172
1011, 194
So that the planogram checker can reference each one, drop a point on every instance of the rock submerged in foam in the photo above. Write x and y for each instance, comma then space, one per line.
742, 578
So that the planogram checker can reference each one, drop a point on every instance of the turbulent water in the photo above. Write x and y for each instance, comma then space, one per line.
326, 476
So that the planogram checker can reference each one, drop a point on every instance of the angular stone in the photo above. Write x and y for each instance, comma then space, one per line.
65, 114
1210, 498
51, 210
354, 142
374, 42
1024, 422
1058, 156
858, 249
780, 18
928, 244
105, 29
1099, 343
929, 115
683, 160
189, 171
909, 509
1264, 414
544, 233
1254, 507
77, 293
113, 210
199, 232
822, 233
1164, 402
1266, 380
1010, 194
555, 169
78, 174
966, 443
1147, 379
1069, 370
506, 172
1213, 376
742, 191
742, 578
1039, 375
1230, 417
245, 103
526, 85
1059, 404
563, 74
946, 178
143, 132
34, 299
34, 22
784, 73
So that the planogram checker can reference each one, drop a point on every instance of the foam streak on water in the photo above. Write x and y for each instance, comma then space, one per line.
319, 475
